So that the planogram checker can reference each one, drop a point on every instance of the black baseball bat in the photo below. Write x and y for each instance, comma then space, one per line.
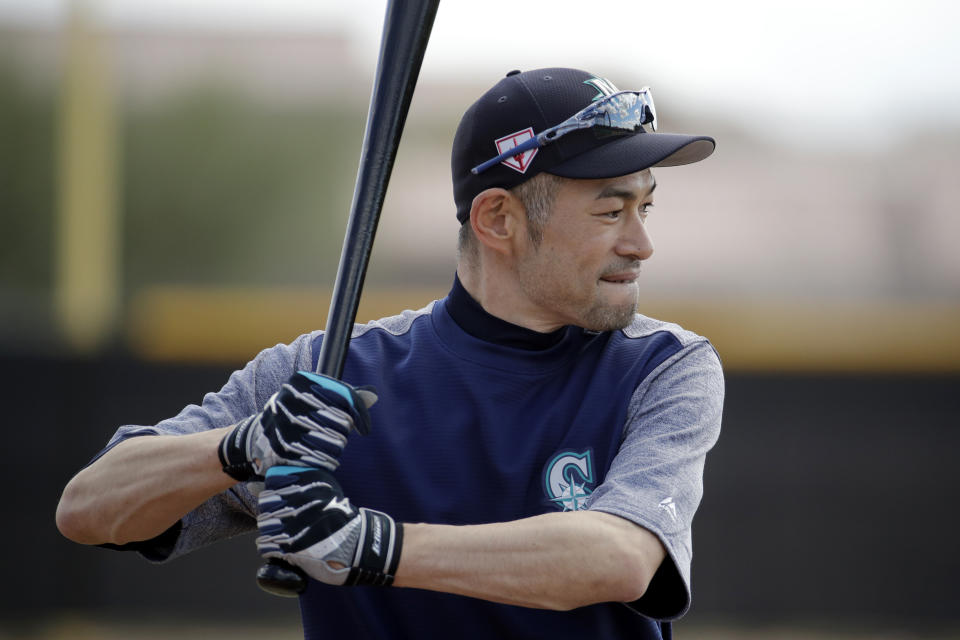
406, 31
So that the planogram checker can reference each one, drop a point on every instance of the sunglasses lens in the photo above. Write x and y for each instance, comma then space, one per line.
647, 98
623, 113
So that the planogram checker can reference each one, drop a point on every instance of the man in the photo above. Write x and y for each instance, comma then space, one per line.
537, 448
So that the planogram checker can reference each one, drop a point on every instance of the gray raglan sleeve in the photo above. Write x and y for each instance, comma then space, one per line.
234, 511
656, 478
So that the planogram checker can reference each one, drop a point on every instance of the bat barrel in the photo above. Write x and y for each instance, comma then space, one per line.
406, 31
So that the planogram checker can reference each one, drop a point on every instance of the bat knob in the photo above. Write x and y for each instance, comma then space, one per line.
281, 579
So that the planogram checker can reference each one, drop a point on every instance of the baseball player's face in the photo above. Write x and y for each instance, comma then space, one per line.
584, 271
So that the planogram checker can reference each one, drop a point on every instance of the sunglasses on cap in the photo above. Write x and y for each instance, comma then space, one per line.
620, 113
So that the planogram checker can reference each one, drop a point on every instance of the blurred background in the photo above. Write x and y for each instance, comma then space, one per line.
175, 179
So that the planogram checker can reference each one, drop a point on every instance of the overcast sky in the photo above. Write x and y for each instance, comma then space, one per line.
853, 72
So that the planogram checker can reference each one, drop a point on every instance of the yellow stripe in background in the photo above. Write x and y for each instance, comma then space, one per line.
826, 335
200, 325
209, 325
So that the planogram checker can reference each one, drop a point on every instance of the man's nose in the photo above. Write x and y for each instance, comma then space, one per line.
636, 241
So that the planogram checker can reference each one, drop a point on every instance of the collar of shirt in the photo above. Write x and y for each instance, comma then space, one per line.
472, 318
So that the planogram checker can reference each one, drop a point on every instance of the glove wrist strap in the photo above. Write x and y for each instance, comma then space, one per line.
233, 452
378, 550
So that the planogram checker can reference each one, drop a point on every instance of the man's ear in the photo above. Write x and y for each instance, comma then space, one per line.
498, 219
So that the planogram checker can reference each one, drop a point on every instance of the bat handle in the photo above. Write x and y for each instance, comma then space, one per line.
281, 579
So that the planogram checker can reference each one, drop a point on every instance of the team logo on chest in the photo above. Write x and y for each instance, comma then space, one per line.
568, 480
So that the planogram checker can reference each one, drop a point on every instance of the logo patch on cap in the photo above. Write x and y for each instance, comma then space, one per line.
521, 161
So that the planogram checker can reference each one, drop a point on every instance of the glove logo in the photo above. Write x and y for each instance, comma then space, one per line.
343, 504
568, 480
377, 536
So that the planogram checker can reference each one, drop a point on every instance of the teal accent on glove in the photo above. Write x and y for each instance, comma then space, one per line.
331, 385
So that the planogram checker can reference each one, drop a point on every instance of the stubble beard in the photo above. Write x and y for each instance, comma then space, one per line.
609, 317
593, 315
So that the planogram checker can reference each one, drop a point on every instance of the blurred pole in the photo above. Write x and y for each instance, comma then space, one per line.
87, 247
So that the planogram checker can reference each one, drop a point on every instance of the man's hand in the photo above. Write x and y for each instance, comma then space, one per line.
306, 520
306, 423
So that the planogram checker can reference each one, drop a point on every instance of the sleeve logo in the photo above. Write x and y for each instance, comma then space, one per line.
668, 505
568, 480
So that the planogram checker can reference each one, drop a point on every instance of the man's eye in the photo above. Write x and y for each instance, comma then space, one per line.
613, 215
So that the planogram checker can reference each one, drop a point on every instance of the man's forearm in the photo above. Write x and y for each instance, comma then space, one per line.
529, 562
138, 489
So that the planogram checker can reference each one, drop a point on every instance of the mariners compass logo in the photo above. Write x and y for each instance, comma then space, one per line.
568, 480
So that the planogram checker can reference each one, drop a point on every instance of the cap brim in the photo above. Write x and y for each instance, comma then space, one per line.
635, 153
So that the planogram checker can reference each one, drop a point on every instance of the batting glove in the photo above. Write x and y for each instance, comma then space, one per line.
306, 423
306, 521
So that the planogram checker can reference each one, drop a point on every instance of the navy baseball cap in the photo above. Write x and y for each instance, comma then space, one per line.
524, 104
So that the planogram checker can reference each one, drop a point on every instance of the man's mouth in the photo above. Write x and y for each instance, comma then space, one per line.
620, 278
